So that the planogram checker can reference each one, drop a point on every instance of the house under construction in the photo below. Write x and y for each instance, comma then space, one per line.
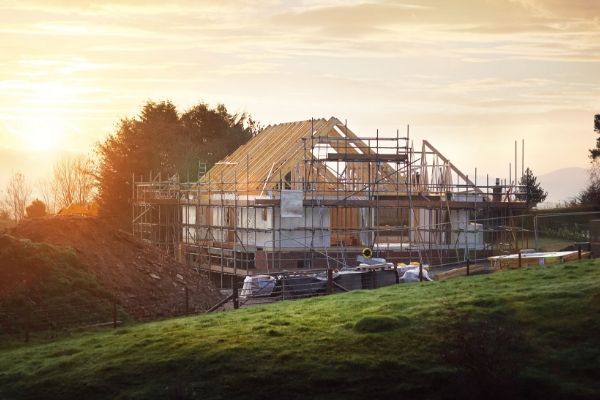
313, 194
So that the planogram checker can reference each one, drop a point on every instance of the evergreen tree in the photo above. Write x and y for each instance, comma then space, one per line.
531, 190
595, 152
160, 140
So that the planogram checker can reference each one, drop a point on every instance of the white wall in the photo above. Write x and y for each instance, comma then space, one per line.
296, 232
465, 234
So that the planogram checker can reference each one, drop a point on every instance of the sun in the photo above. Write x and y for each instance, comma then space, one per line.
43, 132
43, 125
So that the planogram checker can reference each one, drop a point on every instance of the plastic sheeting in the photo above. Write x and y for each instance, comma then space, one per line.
257, 286
299, 286
411, 274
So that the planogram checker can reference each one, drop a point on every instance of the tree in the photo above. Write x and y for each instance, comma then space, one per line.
49, 193
36, 209
591, 194
18, 192
4, 212
595, 152
4, 215
531, 190
160, 140
73, 180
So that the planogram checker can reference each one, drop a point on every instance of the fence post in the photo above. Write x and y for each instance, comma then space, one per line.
579, 251
396, 272
187, 301
535, 231
420, 271
114, 314
468, 266
372, 279
283, 279
236, 302
519, 258
329, 281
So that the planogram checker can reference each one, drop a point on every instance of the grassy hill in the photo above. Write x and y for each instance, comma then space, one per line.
531, 333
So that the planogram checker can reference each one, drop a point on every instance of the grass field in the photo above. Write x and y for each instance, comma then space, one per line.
531, 333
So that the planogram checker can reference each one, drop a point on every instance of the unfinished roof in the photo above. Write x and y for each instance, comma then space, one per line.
276, 151
263, 155
326, 157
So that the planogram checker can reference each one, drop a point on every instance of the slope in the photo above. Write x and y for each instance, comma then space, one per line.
530, 333
145, 282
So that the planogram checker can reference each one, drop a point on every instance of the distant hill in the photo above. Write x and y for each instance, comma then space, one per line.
564, 184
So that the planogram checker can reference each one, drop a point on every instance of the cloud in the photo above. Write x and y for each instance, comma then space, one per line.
442, 64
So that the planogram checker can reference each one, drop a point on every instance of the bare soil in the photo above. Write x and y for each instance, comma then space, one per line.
146, 282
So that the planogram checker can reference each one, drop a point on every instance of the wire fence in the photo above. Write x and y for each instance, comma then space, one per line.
43, 314
21, 320
35, 314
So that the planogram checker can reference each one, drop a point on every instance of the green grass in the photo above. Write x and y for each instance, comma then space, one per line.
530, 333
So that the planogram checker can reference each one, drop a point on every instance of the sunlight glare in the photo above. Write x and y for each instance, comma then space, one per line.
44, 126
44, 132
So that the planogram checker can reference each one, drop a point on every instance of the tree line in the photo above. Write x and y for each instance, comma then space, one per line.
72, 180
159, 139
162, 139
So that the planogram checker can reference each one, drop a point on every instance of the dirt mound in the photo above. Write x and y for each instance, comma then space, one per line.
145, 282
45, 287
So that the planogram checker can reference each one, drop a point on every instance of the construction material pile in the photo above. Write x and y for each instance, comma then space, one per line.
144, 281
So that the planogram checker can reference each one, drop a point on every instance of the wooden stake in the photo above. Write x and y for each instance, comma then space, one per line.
236, 301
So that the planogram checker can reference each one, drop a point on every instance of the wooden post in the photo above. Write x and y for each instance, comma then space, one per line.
329, 281
236, 301
396, 272
374, 279
519, 258
283, 279
115, 314
468, 266
187, 301
420, 272
579, 251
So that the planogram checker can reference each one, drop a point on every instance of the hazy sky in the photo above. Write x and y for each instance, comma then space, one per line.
471, 76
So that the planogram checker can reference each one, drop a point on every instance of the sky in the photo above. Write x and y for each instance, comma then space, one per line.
470, 76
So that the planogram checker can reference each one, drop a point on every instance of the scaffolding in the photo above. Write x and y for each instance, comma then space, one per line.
313, 194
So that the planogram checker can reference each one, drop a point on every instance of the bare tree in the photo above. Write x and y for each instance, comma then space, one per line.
18, 192
4, 211
49, 194
73, 180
